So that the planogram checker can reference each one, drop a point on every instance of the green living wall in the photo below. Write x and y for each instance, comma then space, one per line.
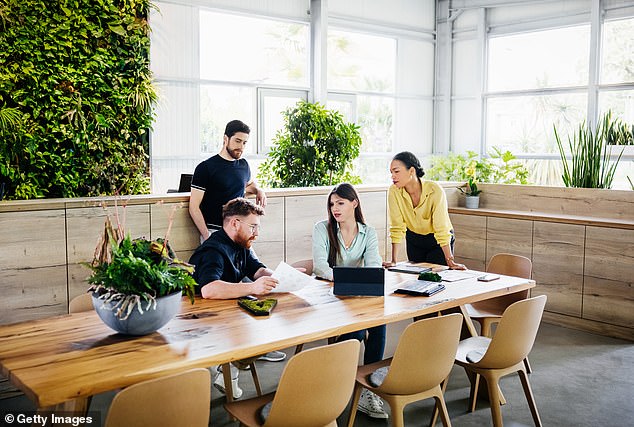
75, 97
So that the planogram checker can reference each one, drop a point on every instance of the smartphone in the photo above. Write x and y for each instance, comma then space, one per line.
488, 277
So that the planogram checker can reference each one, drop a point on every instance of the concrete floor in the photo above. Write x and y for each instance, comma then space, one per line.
579, 379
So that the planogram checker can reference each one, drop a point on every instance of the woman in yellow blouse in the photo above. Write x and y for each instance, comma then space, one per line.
418, 213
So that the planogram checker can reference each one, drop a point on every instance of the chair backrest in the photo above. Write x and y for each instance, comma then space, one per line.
515, 335
511, 265
424, 355
177, 400
306, 264
81, 303
315, 386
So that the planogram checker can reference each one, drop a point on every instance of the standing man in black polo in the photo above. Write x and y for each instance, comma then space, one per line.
221, 178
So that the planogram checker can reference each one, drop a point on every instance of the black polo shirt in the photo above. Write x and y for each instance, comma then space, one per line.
220, 258
221, 180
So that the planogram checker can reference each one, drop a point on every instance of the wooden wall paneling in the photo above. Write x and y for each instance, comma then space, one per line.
374, 206
183, 235
558, 256
32, 293
32, 265
84, 227
582, 202
471, 237
513, 236
269, 246
301, 214
608, 294
32, 239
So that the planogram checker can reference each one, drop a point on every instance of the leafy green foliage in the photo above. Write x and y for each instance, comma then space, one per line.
316, 147
75, 97
590, 165
471, 188
140, 266
500, 167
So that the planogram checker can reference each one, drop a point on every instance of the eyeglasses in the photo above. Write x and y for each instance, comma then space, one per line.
253, 227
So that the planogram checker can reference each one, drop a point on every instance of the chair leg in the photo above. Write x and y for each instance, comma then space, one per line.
398, 419
256, 381
434, 417
473, 395
530, 398
527, 365
355, 401
444, 414
494, 401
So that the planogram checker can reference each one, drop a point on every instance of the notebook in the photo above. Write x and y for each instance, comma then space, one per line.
359, 281
409, 268
424, 288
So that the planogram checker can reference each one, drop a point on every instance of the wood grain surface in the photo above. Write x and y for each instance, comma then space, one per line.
71, 356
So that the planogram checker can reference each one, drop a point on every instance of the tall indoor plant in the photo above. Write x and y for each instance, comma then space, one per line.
316, 147
590, 164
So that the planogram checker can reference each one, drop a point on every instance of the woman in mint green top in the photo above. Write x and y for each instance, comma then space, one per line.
345, 240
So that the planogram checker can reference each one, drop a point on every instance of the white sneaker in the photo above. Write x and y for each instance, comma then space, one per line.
219, 382
273, 356
371, 404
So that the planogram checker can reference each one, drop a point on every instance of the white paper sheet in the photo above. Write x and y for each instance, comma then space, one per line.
290, 279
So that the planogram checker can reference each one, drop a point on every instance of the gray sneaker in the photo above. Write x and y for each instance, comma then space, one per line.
371, 404
273, 356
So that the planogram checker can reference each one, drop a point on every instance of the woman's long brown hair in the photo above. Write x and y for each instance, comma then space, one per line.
345, 191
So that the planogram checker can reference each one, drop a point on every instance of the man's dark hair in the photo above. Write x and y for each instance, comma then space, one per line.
235, 126
240, 207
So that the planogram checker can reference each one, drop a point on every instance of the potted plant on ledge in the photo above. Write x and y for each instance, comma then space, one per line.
472, 193
137, 284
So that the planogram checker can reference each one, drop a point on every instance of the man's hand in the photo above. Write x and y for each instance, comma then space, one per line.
260, 197
263, 285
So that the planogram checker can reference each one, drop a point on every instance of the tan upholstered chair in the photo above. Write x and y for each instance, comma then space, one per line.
179, 400
493, 358
81, 303
314, 390
490, 311
422, 361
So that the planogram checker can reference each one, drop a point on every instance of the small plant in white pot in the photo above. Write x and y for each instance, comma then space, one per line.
472, 193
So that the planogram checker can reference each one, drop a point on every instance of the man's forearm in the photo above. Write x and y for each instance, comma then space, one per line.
219, 289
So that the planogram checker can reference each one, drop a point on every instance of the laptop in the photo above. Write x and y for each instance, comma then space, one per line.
359, 281
185, 184
424, 288
409, 268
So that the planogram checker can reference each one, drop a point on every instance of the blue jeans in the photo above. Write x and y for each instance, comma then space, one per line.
374, 345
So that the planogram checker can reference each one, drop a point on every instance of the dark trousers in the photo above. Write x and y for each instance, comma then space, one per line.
425, 248
374, 345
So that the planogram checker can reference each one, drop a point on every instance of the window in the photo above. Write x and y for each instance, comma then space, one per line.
541, 59
256, 50
272, 104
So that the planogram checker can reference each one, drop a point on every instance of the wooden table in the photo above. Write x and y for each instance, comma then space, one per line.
69, 357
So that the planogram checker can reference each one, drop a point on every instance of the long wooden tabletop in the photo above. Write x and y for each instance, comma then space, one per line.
72, 356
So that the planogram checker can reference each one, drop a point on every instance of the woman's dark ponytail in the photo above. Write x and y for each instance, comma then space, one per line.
410, 161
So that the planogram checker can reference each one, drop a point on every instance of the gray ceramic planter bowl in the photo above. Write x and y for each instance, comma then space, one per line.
137, 323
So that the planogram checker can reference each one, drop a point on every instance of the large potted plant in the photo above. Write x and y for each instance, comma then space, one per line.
137, 284
316, 147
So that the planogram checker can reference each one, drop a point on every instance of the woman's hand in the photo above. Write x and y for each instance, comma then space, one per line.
455, 266
388, 264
